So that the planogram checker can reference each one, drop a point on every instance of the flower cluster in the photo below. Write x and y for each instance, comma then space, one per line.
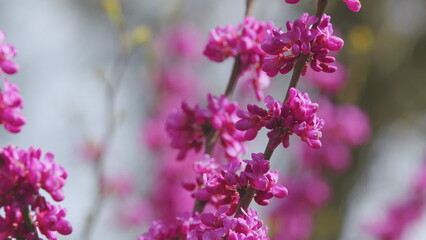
22, 176
259, 177
353, 5
7, 52
220, 226
10, 105
301, 38
187, 127
297, 115
221, 185
10, 100
178, 230
243, 40
209, 226
216, 184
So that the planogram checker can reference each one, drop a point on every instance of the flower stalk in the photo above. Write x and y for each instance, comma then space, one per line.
248, 194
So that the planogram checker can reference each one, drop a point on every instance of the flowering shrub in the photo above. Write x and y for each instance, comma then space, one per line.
242, 41
220, 174
297, 115
26, 212
301, 38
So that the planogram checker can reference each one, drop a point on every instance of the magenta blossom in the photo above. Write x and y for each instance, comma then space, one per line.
257, 174
179, 230
22, 177
10, 105
245, 41
297, 115
301, 38
220, 226
188, 127
353, 5
216, 183
7, 52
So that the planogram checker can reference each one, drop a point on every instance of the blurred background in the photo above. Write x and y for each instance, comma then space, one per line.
72, 52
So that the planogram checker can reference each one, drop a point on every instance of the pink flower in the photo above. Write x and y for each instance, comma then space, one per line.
292, 1
217, 184
297, 115
243, 40
50, 219
7, 52
301, 38
222, 43
222, 115
10, 104
22, 176
220, 226
181, 229
187, 127
257, 174
353, 5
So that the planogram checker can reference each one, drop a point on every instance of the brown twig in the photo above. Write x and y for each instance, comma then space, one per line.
249, 7
212, 136
248, 194
111, 89
29, 224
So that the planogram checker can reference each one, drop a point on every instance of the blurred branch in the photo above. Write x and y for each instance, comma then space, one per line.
112, 87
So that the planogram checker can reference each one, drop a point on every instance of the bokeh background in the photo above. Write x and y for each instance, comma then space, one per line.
65, 47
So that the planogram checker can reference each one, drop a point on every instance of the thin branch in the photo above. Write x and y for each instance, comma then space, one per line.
236, 70
249, 7
248, 194
28, 221
111, 89
212, 136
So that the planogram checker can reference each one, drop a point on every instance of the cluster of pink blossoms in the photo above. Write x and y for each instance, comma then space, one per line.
10, 100
23, 174
187, 127
301, 38
221, 184
10, 105
7, 52
210, 226
243, 40
22, 177
353, 5
297, 115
